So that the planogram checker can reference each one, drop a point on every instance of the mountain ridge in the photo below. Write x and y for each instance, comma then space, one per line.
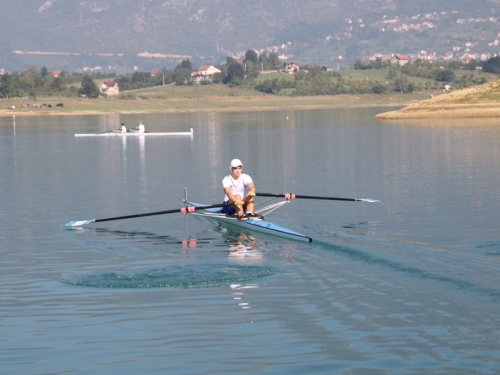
115, 32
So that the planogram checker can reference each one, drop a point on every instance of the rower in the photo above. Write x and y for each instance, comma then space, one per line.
140, 128
235, 200
122, 129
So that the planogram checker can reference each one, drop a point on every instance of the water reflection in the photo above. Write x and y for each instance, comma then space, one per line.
142, 162
241, 249
240, 246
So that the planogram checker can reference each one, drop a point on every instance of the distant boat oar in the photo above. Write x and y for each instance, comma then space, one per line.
183, 209
293, 196
108, 131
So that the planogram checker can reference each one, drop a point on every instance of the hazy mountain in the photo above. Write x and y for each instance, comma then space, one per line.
68, 35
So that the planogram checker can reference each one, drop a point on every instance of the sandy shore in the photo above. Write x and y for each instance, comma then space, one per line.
472, 102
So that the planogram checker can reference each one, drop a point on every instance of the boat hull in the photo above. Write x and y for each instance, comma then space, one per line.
136, 134
258, 225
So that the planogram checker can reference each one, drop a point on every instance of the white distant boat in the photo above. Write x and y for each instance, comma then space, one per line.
113, 133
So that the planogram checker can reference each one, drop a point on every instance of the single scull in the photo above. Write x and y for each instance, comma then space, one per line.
256, 224
214, 212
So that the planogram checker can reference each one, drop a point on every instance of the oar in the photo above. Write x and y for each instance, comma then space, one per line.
183, 209
108, 131
293, 196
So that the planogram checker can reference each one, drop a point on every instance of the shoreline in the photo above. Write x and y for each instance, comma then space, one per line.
482, 101
76, 107
472, 110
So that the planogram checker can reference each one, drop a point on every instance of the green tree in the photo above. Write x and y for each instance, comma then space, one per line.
392, 72
492, 65
31, 79
274, 59
58, 84
8, 86
182, 73
164, 78
445, 75
182, 76
217, 78
401, 84
263, 57
141, 79
89, 88
185, 64
235, 74
251, 56
379, 88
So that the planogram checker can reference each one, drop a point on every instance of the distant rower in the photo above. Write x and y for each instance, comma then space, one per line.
122, 129
140, 128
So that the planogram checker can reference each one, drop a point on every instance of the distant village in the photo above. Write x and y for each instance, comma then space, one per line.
465, 52
203, 73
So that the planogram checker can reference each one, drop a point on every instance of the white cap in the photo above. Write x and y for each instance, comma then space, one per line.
236, 163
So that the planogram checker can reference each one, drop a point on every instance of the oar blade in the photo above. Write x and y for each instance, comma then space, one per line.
369, 200
79, 223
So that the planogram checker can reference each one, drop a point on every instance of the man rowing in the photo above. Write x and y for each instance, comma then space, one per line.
121, 129
140, 128
235, 200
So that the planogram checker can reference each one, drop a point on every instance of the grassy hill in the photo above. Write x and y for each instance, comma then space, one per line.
477, 101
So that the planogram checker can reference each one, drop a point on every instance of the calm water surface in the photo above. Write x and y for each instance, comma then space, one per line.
406, 286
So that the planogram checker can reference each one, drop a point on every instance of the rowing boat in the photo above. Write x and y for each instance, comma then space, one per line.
256, 224
137, 134
214, 212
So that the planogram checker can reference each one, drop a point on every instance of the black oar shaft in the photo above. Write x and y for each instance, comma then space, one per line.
183, 209
291, 196
326, 198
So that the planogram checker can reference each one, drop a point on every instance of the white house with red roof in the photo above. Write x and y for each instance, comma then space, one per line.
204, 73
109, 88
399, 59
55, 73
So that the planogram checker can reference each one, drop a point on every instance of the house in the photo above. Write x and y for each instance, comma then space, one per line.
290, 68
208, 70
109, 88
399, 59
55, 73
154, 72
204, 73
327, 68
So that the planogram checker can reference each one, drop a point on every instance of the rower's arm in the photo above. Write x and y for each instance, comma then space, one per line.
229, 193
251, 189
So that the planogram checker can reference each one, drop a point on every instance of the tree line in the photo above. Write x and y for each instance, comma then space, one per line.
309, 80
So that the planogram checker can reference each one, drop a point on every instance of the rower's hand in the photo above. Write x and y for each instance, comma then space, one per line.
251, 194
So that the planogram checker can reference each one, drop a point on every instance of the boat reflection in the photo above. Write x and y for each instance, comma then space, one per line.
189, 243
240, 246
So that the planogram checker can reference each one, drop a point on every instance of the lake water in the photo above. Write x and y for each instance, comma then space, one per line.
406, 286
